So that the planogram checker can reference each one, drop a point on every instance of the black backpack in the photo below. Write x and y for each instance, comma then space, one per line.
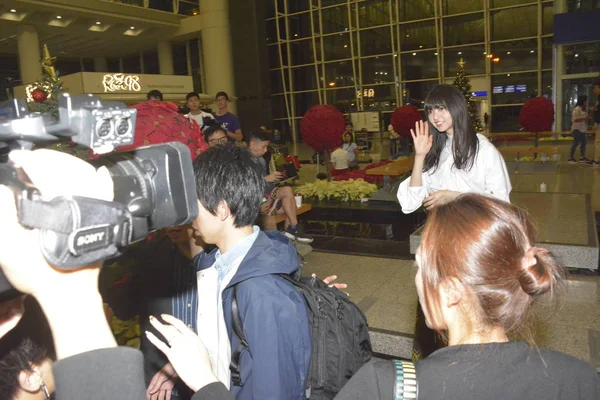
340, 337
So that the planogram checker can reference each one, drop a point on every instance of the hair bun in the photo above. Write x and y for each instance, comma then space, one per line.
540, 272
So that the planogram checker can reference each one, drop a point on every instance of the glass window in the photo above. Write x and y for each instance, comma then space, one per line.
547, 19
112, 64
272, 30
304, 78
413, 10
66, 66
514, 23
582, 58
518, 55
582, 5
296, 6
547, 52
188, 7
335, 19
274, 56
505, 119
373, 13
377, 70
278, 104
299, 25
151, 63
463, 6
88, 64
179, 59
514, 88
302, 51
547, 84
131, 65
507, 3
473, 56
380, 97
304, 101
414, 93
375, 41
339, 74
419, 65
464, 29
325, 3
337, 46
275, 80
418, 35
343, 99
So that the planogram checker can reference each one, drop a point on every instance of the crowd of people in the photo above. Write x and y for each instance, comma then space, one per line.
478, 276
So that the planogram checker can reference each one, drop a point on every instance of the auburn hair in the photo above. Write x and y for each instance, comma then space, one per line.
486, 245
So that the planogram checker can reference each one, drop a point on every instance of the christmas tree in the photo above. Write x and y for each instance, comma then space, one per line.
43, 95
464, 85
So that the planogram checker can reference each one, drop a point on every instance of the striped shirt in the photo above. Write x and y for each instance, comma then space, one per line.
185, 293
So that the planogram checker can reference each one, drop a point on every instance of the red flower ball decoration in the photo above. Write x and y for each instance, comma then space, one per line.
404, 119
38, 95
322, 126
537, 115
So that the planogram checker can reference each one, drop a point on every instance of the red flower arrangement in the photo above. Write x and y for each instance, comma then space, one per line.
321, 127
404, 119
537, 115
361, 174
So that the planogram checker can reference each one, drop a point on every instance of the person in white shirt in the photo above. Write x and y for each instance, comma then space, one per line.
453, 159
579, 127
339, 161
196, 114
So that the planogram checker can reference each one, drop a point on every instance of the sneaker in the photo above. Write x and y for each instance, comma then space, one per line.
298, 234
571, 160
584, 160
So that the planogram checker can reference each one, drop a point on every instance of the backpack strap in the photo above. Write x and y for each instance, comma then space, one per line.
238, 330
405, 381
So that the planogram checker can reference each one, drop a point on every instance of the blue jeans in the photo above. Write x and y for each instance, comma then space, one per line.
579, 139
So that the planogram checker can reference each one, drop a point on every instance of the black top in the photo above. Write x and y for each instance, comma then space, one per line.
496, 371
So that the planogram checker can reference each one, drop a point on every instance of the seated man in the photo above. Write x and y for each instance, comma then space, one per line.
277, 196
215, 135
248, 262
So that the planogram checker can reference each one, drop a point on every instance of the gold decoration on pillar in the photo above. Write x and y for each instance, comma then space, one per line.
461, 63
48, 64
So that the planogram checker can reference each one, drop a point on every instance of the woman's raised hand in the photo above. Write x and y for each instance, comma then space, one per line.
421, 138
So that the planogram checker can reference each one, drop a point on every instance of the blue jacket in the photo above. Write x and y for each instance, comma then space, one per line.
275, 320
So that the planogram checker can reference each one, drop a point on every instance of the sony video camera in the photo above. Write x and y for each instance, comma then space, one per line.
154, 186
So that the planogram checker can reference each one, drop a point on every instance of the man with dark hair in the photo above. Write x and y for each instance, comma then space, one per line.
227, 120
247, 266
154, 95
202, 118
215, 135
596, 161
277, 196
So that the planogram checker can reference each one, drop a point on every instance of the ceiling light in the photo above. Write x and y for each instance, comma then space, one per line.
331, 83
345, 45
420, 47
577, 55
295, 35
497, 59
407, 35
459, 53
58, 17
507, 74
532, 51
98, 22
508, 52
132, 27
13, 10
435, 54
414, 54
485, 52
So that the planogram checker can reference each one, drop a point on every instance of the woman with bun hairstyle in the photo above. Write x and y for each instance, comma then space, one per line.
479, 276
450, 157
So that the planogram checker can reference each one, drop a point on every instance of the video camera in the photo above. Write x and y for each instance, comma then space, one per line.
154, 186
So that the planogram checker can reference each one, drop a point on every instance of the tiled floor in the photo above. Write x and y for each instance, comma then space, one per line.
384, 289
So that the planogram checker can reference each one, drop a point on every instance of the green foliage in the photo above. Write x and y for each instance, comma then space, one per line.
53, 89
464, 85
338, 190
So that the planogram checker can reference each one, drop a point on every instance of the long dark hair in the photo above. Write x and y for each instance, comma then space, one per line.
581, 101
465, 143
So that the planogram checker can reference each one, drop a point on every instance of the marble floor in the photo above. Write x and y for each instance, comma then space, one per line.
384, 289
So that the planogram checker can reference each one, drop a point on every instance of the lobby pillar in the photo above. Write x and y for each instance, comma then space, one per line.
165, 57
28, 44
216, 45
100, 64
